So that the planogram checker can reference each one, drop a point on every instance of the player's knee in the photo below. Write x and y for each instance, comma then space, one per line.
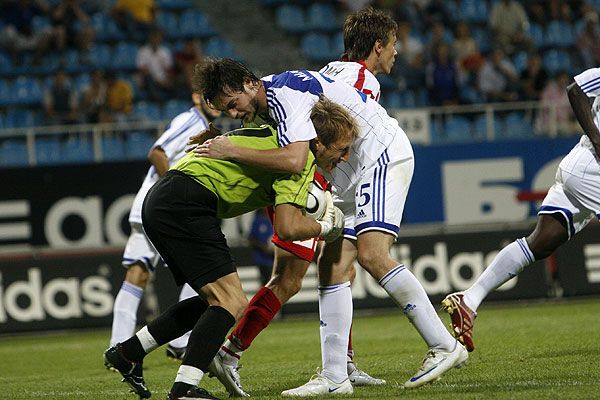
285, 287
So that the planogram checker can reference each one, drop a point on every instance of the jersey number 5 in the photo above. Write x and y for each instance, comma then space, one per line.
364, 195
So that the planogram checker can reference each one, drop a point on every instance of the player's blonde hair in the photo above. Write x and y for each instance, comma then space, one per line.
331, 121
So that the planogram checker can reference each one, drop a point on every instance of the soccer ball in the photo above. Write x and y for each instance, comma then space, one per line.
316, 202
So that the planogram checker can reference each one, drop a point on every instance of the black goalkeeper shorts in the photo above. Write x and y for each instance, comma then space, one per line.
180, 219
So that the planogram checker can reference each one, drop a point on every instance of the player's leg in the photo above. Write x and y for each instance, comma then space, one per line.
176, 347
137, 258
560, 217
335, 313
289, 268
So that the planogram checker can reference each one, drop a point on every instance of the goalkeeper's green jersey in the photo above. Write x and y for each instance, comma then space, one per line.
242, 188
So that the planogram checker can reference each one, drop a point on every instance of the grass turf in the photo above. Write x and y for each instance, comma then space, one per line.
532, 351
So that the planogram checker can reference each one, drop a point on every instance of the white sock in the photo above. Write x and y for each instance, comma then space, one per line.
190, 375
506, 265
335, 312
182, 341
125, 312
407, 292
146, 340
230, 353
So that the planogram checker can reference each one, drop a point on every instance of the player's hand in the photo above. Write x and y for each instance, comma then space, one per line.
219, 147
332, 222
202, 137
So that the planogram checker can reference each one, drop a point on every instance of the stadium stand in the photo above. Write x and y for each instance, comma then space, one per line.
316, 28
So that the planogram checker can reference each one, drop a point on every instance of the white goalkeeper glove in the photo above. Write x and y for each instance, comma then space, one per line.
332, 222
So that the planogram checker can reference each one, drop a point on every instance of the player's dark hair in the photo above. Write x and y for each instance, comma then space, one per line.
214, 76
331, 120
363, 28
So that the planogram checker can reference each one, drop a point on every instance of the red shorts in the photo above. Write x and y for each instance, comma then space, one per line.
304, 249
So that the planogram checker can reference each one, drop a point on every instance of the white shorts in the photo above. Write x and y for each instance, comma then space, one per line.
378, 202
139, 249
576, 193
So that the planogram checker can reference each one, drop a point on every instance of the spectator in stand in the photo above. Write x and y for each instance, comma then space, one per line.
93, 97
556, 106
73, 27
409, 60
498, 79
259, 238
443, 78
533, 78
155, 63
136, 17
185, 60
18, 35
438, 32
465, 49
588, 41
510, 23
119, 99
61, 101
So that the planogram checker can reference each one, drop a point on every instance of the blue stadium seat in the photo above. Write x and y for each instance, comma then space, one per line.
80, 82
16, 118
422, 97
517, 126
13, 153
173, 108
78, 150
169, 24
321, 16
559, 34
39, 22
27, 91
519, 60
458, 129
101, 56
147, 110
138, 144
174, 4
291, 18
387, 82
392, 100
194, 23
473, 11
315, 46
113, 148
556, 60
5, 64
480, 126
482, 37
71, 62
47, 150
124, 55
6, 97
536, 32
220, 48
337, 44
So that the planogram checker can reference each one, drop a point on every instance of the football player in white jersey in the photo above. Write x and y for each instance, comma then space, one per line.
140, 258
369, 38
571, 203
370, 188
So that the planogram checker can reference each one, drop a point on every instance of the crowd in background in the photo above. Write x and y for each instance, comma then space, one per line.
441, 55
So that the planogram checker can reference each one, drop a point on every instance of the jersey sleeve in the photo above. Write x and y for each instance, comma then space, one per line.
589, 82
294, 189
292, 111
174, 138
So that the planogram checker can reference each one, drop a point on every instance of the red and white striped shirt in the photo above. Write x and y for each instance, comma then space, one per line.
356, 74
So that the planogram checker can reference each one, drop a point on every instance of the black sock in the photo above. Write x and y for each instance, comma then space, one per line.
132, 349
177, 320
207, 337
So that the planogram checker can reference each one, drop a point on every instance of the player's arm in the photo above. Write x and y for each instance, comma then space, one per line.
291, 158
582, 107
159, 160
291, 224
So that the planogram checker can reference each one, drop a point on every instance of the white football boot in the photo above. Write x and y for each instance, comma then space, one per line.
228, 375
436, 363
319, 385
359, 377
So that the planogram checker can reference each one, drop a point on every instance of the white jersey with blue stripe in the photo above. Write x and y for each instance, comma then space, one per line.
356, 74
290, 97
173, 141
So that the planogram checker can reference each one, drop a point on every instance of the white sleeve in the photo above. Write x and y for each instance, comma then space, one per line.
174, 140
292, 111
589, 82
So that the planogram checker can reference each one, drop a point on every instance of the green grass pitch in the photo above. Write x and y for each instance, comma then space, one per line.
524, 351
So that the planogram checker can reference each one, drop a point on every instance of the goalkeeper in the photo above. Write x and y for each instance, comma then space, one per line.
181, 217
